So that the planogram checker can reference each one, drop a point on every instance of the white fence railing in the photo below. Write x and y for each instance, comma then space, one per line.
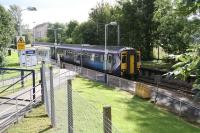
13, 108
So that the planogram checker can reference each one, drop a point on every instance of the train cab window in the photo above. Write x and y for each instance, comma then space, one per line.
124, 59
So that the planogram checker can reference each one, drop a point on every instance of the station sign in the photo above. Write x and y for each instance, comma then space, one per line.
28, 58
21, 43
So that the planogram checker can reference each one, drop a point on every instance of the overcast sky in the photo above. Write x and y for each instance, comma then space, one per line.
54, 10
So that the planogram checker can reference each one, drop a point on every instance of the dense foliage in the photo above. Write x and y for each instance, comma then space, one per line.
6, 33
144, 24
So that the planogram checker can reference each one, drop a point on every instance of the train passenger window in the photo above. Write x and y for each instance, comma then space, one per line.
124, 59
97, 57
101, 58
110, 59
92, 57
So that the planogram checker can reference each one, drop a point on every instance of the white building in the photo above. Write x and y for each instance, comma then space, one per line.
41, 30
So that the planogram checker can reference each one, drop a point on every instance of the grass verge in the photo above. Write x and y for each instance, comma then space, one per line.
130, 114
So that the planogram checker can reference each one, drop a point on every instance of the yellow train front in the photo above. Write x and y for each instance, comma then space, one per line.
130, 63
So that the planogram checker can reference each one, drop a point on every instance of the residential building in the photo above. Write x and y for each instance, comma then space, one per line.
41, 30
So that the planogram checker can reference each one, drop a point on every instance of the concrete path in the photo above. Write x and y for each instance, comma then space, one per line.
21, 101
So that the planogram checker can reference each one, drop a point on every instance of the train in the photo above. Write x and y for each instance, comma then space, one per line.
120, 61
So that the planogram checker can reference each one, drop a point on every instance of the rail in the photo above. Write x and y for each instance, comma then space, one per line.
18, 107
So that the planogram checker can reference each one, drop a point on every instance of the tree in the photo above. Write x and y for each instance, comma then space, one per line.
137, 25
188, 7
6, 33
16, 13
70, 28
84, 33
174, 31
189, 64
60, 32
103, 14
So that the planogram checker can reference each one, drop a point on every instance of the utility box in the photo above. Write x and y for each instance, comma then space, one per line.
28, 58
143, 90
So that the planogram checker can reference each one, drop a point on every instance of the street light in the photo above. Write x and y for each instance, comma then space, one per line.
118, 42
55, 34
33, 32
28, 9
31, 9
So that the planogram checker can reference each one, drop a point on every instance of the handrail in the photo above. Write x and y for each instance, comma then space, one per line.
20, 94
16, 82
16, 69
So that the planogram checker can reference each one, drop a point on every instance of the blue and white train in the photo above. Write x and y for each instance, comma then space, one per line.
121, 61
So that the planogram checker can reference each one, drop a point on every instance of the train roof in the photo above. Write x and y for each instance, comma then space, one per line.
88, 47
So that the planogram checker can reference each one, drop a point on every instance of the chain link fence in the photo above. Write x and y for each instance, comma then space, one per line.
68, 110
181, 106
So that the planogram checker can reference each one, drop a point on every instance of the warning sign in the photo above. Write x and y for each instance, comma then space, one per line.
21, 43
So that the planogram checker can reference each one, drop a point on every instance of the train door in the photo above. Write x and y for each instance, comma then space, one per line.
124, 58
131, 63
110, 63
139, 60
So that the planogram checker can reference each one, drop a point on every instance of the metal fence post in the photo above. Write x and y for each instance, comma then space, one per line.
107, 124
46, 100
33, 76
70, 107
157, 80
42, 81
95, 75
22, 78
52, 98
180, 108
17, 115
120, 83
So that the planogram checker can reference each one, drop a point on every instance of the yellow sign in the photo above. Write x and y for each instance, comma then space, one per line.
21, 43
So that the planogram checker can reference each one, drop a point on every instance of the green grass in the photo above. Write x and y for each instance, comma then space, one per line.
34, 122
130, 114
162, 53
16, 87
157, 64
13, 62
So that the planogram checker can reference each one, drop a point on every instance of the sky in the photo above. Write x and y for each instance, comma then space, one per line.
54, 10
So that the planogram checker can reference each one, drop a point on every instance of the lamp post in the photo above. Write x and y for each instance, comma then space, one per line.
33, 32
55, 34
105, 50
28, 9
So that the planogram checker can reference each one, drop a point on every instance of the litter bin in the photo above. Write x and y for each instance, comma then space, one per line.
143, 91
9, 52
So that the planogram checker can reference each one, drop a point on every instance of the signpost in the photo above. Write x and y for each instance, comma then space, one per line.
28, 58
21, 43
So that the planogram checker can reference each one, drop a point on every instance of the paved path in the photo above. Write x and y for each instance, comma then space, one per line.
9, 107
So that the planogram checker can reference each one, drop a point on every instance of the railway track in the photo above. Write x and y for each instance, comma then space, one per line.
148, 75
